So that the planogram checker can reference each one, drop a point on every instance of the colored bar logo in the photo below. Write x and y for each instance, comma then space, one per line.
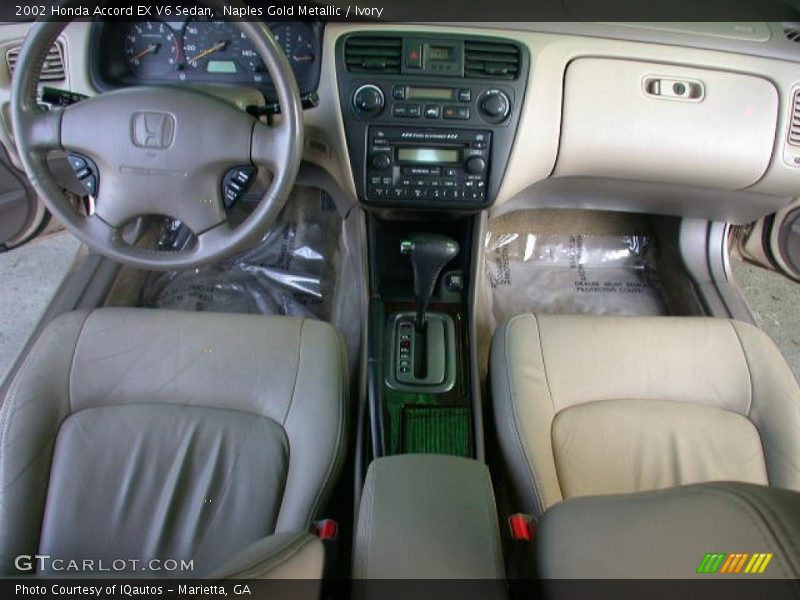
734, 563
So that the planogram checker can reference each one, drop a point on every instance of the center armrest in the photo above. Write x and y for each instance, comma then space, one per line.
427, 516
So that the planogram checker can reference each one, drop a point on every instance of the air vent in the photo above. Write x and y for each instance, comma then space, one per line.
794, 126
792, 34
53, 68
373, 54
491, 60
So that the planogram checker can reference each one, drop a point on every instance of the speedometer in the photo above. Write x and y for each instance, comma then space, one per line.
219, 47
150, 49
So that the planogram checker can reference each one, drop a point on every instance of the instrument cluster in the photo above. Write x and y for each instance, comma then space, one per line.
201, 50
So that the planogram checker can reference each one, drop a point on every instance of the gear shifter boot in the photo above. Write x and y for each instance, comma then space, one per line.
429, 253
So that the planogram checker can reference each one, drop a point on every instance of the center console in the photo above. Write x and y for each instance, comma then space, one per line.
429, 121
419, 370
429, 124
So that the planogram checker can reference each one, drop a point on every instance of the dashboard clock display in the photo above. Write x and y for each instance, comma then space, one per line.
151, 49
439, 53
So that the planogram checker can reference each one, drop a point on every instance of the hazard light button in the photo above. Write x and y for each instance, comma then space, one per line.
413, 55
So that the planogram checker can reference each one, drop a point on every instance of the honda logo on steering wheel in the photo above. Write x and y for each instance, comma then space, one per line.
152, 130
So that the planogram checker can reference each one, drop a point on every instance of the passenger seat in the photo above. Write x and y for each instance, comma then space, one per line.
589, 405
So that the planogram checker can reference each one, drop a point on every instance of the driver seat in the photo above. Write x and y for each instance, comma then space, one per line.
140, 434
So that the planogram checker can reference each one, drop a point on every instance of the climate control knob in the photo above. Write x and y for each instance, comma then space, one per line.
475, 165
495, 105
381, 161
368, 100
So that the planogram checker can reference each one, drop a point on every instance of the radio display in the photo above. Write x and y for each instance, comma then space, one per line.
430, 93
427, 155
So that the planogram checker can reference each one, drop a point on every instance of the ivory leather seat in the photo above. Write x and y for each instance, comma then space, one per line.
588, 405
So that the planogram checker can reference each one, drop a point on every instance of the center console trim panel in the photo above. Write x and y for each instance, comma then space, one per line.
394, 353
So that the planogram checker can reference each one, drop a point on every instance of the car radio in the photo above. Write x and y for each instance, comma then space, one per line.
427, 164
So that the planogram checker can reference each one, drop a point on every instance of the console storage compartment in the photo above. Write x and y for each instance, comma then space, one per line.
428, 516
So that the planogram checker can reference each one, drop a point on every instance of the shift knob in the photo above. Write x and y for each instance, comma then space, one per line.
429, 253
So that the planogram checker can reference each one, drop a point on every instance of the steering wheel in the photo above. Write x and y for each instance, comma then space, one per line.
159, 150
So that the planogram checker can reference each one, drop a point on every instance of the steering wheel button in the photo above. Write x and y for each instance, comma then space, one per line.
76, 162
90, 184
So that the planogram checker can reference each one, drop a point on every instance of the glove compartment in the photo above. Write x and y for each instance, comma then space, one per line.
665, 123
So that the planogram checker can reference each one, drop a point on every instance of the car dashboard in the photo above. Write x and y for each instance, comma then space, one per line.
558, 132
199, 51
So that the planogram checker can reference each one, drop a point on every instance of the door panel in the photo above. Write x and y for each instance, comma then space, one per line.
774, 241
22, 216
785, 240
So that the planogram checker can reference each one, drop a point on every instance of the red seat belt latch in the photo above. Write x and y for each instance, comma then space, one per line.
522, 527
327, 529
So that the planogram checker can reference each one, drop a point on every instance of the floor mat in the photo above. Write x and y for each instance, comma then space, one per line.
532, 270
437, 430
291, 272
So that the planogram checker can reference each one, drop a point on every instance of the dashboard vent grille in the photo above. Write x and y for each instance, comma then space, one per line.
53, 68
794, 125
491, 60
373, 54
792, 34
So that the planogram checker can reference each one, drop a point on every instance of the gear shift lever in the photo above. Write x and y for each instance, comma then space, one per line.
429, 253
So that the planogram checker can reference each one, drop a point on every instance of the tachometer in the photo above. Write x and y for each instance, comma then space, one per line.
150, 48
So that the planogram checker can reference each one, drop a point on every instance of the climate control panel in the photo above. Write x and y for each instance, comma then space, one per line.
432, 103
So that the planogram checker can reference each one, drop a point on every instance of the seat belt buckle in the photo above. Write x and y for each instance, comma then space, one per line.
522, 527
327, 529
